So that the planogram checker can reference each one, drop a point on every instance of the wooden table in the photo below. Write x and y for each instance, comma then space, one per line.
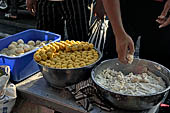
36, 90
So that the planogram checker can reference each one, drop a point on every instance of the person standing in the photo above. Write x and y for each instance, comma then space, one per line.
52, 14
139, 18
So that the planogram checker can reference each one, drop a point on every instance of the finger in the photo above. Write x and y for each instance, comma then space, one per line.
167, 22
165, 10
160, 21
122, 55
122, 60
131, 48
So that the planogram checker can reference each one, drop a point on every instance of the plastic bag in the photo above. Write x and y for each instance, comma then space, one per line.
7, 91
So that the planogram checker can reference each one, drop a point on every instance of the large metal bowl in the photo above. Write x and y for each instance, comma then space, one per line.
131, 102
60, 78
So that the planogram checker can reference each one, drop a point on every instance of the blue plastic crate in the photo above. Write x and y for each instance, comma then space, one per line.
24, 66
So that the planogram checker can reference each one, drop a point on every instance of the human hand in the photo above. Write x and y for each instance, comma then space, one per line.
162, 19
99, 10
124, 48
31, 6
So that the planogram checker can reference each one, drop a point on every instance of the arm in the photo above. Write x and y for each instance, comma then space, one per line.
124, 43
31, 6
162, 20
99, 10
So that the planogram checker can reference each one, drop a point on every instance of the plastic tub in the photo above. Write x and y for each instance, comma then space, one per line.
24, 66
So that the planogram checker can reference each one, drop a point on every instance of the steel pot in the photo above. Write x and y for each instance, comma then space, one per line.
130, 102
60, 78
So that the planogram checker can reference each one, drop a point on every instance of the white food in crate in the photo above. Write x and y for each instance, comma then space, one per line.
31, 42
20, 41
19, 47
132, 84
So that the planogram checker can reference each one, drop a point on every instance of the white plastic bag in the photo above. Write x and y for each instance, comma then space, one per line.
7, 91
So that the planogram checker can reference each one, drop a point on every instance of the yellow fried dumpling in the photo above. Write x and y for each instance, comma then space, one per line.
77, 61
58, 66
89, 58
74, 47
70, 62
62, 46
65, 62
52, 63
60, 52
44, 56
96, 55
82, 64
64, 66
90, 53
55, 60
73, 42
70, 66
91, 46
81, 59
42, 51
78, 56
53, 66
68, 58
55, 55
37, 57
62, 56
85, 60
42, 62
47, 64
73, 57
52, 48
50, 55
48, 61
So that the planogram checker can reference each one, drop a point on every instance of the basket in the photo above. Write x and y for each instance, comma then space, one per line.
24, 66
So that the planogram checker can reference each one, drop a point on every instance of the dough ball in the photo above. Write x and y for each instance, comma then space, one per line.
20, 46
14, 43
11, 46
130, 58
20, 41
42, 44
12, 51
26, 48
19, 50
31, 42
38, 42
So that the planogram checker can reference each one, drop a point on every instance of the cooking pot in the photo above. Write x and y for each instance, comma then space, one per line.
131, 102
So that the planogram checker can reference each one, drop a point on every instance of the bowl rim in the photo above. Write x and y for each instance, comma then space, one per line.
100, 56
153, 94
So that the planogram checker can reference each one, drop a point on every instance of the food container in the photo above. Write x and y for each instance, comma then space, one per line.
131, 102
60, 78
24, 66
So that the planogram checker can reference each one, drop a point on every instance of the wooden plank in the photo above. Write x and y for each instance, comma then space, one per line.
36, 90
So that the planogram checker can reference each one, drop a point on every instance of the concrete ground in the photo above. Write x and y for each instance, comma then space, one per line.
8, 27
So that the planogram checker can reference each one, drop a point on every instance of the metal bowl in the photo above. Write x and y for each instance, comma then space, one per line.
60, 78
130, 102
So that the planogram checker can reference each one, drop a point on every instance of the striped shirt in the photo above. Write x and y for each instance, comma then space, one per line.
76, 13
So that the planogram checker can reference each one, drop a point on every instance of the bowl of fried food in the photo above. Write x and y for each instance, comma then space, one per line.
67, 62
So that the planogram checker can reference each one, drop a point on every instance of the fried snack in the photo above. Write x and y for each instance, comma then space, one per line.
37, 57
43, 56
85, 47
62, 46
70, 66
67, 54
